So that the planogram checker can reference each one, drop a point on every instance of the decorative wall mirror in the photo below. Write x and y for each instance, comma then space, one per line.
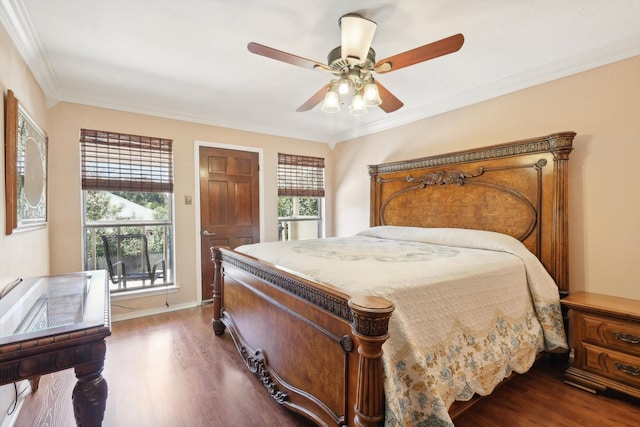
25, 169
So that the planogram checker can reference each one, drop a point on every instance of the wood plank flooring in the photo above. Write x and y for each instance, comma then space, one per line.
169, 370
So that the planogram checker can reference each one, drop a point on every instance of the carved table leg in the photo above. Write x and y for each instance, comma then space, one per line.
35, 383
90, 394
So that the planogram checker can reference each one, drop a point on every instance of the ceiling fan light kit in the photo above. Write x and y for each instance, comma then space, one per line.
363, 94
353, 64
356, 77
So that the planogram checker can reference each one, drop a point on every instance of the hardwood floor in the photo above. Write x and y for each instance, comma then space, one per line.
169, 370
541, 398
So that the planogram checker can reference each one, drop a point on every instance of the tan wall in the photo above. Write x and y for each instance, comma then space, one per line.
22, 254
65, 195
601, 105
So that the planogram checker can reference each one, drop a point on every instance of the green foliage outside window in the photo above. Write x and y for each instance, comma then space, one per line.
98, 207
307, 206
101, 208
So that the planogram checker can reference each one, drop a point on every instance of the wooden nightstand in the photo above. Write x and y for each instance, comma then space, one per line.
605, 337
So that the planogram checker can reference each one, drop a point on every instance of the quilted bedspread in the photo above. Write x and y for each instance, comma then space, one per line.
471, 308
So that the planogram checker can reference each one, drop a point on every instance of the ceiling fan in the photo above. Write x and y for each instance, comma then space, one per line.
353, 64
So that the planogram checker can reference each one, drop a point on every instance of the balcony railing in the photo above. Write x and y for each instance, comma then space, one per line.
128, 252
299, 228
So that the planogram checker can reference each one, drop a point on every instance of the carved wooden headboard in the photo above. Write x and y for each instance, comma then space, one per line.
518, 188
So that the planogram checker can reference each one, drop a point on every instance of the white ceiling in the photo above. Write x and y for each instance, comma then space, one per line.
188, 59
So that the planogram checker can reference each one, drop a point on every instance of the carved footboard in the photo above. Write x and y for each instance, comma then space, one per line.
316, 350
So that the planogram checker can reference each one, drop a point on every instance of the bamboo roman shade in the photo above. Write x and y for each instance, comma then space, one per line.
300, 176
119, 162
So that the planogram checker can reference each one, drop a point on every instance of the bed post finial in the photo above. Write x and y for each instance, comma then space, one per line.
370, 326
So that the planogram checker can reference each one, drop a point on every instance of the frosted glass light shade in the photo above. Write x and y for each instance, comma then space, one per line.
358, 105
344, 86
331, 103
371, 95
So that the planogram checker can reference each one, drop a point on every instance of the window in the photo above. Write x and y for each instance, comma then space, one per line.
127, 185
300, 195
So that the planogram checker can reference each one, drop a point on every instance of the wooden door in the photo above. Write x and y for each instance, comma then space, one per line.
229, 204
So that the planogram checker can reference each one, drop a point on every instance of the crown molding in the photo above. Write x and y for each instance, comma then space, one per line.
15, 19
244, 126
594, 58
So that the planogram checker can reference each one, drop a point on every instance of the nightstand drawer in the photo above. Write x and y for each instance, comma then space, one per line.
623, 336
605, 335
612, 364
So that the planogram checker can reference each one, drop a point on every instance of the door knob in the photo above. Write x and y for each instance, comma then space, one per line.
206, 233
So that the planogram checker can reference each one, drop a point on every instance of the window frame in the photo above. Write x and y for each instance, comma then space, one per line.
114, 162
301, 218
300, 177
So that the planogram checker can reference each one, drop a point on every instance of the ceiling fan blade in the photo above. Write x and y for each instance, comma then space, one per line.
314, 100
389, 101
289, 58
420, 54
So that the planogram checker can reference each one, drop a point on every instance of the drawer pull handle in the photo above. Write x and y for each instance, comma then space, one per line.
628, 369
628, 338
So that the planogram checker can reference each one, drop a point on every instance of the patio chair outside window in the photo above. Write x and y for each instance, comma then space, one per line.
127, 258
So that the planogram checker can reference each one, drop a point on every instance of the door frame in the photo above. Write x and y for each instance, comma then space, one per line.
198, 222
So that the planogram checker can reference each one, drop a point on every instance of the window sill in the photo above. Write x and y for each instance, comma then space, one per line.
142, 293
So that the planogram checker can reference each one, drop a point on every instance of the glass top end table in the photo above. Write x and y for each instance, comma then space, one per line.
52, 323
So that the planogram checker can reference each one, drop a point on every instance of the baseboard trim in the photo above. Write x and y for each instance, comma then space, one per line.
151, 312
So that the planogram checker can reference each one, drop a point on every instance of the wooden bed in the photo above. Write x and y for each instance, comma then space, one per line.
316, 349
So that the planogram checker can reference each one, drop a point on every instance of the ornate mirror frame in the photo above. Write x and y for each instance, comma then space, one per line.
25, 169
